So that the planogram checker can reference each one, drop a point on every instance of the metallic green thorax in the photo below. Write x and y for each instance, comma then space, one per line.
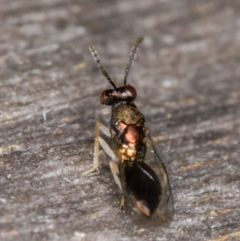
126, 112
128, 132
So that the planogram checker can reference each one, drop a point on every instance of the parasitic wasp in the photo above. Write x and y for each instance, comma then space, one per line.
136, 167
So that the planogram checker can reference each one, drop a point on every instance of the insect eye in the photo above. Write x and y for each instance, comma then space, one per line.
104, 97
111, 96
130, 91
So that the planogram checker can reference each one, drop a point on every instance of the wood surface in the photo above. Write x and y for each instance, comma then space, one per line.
187, 77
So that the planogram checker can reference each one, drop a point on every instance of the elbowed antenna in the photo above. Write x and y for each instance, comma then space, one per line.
132, 57
97, 60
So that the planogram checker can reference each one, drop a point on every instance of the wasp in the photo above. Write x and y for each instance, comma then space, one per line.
136, 167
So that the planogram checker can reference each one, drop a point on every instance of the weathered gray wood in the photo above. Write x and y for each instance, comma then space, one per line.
188, 80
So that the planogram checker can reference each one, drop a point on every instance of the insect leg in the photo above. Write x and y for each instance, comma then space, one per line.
122, 203
100, 141
115, 171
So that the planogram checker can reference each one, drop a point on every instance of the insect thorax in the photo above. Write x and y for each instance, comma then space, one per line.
128, 132
127, 113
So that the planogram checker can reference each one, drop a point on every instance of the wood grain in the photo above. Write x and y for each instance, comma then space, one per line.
188, 80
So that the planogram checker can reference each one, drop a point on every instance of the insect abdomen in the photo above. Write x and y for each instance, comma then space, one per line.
141, 185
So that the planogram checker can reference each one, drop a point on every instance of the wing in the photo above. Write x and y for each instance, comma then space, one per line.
165, 208
145, 183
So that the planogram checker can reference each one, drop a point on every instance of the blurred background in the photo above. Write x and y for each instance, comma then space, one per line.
187, 77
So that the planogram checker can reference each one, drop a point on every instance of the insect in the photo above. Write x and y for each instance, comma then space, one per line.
136, 167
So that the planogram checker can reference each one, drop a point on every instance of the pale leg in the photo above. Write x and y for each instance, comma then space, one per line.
99, 141
115, 171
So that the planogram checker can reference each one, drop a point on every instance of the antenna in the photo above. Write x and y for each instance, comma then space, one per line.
132, 57
97, 60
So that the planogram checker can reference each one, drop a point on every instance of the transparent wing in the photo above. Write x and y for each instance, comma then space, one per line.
165, 209
135, 181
